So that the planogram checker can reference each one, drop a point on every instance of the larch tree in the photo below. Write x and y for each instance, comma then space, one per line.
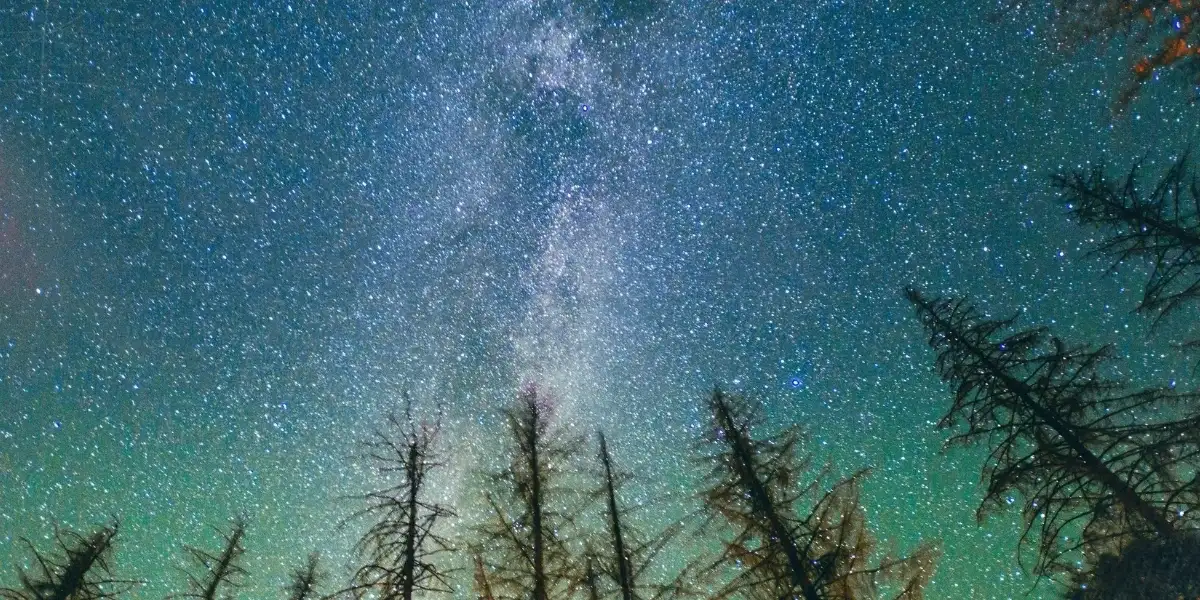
523, 542
402, 548
1156, 226
1160, 568
619, 564
80, 569
621, 558
791, 539
1096, 465
1159, 35
483, 585
305, 580
218, 576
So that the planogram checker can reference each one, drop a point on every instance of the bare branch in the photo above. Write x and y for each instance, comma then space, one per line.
401, 548
754, 488
81, 569
218, 575
1096, 465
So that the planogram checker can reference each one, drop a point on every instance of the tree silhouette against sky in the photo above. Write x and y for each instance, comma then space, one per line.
1157, 226
218, 576
305, 580
792, 538
401, 549
79, 569
523, 544
621, 562
1095, 464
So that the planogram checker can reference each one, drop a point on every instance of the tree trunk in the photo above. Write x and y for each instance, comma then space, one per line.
760, 499
1092, 464
539, 568
410, 536
624, 569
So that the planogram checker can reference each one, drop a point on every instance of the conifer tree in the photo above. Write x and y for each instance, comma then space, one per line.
1160, 226
402, 547
305, 580
792, 539
1161, 35
218, 576
483, 586
1097, 465
1161, 568
622, 560
622, 563
524, 549
81, 569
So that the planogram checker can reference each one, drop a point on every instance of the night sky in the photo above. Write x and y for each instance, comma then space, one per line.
231, 237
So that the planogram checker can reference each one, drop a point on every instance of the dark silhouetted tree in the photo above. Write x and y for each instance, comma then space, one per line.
401, 548
1161, 35
591, 578
1098, 465
523, 545
80, 569
1152, 569
305, 580
792, 539
1160, 226
618, 565
621, 570
483, 586
218, 576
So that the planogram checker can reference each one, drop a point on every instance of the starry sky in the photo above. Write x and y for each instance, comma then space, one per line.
231, 236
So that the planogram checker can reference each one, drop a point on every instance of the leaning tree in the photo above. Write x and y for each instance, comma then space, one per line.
218, 576
792, 537
624, 562
1157, 226
1098, 465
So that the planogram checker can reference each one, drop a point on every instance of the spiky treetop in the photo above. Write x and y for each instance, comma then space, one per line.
402, 547
1096, 464
81, 569
305, 580
523, 543
792, 539
620, 562
220, 575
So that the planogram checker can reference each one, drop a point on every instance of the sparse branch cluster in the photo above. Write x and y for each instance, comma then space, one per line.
79, 569
559, 527
1107, 474
792, 537
401, 547
218, 575
1159, 227
1098, 465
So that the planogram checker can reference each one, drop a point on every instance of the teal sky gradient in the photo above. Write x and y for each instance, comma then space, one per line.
230, 237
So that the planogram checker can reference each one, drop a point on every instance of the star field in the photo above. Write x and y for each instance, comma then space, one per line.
232, 236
